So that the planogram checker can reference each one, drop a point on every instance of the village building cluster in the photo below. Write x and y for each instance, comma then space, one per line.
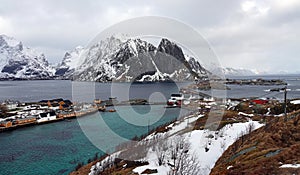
16, 114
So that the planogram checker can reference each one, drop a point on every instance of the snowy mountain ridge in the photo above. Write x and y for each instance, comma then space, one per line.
113, 59
18, 61
132, 60
238, 72
69, 62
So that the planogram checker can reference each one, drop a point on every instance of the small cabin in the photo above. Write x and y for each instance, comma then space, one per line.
260, 101
11, 106
47, 114
6, 124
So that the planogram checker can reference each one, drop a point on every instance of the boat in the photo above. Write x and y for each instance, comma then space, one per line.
112, 110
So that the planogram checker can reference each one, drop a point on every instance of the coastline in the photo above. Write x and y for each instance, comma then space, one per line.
244, 121
74, 114
58, 119
153, 104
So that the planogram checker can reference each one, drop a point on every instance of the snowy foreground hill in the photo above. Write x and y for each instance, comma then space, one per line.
21, 62
186, 152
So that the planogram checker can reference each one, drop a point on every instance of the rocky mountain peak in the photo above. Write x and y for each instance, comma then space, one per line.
131, 48
10, 42
172, 49
17, 61
134, 59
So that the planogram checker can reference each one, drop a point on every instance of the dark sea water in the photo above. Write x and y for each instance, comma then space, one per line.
38, 90
27, 91
250, 91
293, 87
56, 148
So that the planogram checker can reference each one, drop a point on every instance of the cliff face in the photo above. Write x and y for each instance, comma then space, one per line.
130, 60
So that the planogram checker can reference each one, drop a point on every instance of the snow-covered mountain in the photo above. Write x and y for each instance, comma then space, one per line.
113, 59
69, 63
238, 72
20, 62
130, 60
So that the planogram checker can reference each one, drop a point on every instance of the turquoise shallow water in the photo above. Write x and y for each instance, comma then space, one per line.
56, 148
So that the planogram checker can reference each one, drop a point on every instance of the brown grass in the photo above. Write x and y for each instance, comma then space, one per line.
229, 117
276, 135
84, 170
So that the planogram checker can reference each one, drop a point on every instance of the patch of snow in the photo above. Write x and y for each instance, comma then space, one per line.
290, 166
199, 141
182, 125
229, 167
99, 165
202, 148
152, 159
295, 102
244, 114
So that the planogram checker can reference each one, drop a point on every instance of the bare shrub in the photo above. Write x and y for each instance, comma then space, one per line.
250, 128
223, 145
184, 163
161, 149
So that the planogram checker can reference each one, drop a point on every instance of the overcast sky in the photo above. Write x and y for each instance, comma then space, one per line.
261, 35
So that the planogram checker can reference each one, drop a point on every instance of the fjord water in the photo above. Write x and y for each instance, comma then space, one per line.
29, 91
48, 89
254, 91
56, 148
293, 87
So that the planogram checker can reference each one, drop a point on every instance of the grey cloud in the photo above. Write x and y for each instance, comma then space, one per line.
240, 39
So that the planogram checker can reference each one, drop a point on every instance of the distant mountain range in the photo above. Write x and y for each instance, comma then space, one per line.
238, 72
20, 62
113, 59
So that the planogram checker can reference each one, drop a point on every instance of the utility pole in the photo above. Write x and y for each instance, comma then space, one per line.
285, 100
285, 103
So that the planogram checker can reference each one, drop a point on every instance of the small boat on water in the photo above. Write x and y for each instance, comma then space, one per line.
112, 110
